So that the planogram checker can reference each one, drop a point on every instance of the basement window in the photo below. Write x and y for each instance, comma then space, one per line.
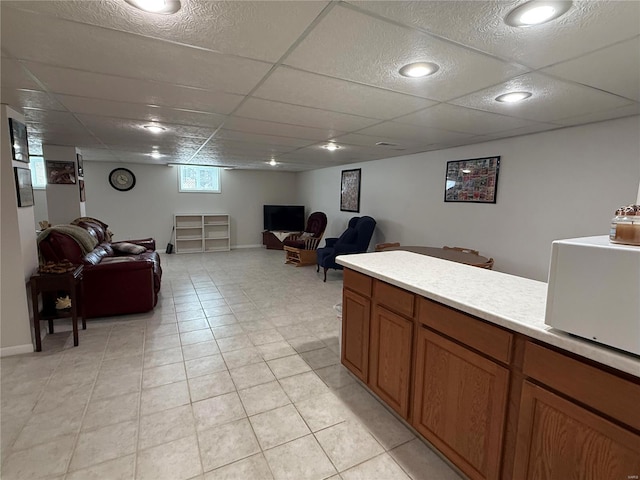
198, 179
38, 173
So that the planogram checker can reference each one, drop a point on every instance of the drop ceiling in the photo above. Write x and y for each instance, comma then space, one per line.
238, 83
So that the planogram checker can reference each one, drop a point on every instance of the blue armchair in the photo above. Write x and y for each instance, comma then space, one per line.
355, 239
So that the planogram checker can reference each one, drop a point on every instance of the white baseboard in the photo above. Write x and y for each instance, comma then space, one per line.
246, 246
16, 350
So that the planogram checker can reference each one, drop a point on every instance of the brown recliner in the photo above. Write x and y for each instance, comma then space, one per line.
310, 238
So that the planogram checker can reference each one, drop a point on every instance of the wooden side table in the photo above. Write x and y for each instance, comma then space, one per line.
299, 257
56, 284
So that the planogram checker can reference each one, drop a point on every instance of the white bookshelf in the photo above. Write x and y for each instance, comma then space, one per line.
197, 232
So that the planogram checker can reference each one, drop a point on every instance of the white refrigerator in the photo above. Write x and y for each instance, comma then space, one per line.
594, 291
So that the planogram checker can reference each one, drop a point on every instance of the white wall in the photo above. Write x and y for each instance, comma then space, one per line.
40, 208
18, 257
561, 184
147, 210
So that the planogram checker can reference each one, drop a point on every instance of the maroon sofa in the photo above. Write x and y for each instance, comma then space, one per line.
115, 282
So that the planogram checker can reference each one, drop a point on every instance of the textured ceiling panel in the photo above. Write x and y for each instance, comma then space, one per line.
238, 82
585, 27
233, 27
377, 50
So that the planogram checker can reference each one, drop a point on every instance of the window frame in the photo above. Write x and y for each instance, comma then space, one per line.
183, 190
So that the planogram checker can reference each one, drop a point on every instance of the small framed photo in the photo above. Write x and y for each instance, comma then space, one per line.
24, 188
472, 181
80, 165
61, 173
19, 142
83, 197
350, 190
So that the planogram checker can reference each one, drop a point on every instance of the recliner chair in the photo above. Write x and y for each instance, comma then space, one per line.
355, 239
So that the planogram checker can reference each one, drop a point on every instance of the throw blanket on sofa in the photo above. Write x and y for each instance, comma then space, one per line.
83, 238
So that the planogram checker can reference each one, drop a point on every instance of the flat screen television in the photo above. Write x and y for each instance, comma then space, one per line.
284, 217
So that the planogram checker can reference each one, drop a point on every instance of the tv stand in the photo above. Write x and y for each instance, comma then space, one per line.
271, 241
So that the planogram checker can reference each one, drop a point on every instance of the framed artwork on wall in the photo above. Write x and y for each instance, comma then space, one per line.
472, 181
80, 165
350, 190
24, 189
61, 173
19, 143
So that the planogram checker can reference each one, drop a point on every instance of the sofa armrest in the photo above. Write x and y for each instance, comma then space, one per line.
148, 243
331, 241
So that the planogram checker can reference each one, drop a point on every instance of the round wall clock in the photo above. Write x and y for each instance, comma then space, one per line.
122, 179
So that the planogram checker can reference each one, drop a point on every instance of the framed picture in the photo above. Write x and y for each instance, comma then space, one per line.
60, 173
350, 191
19, 143
474, 180
80, 166
23, 186
83, 197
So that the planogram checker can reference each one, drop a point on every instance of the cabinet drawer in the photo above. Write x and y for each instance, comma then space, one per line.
589, 385
357, 282
471, 331
394, 298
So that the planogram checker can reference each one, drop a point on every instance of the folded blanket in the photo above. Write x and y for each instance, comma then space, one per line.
83, 238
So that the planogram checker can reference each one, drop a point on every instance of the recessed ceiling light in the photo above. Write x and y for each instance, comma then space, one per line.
536, 12
513, 97
419, 69
331, 147
164, 7
154, 128
273, 163
155, 155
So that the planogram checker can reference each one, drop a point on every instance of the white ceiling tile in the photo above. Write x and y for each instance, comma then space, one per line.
466, 120
84, 47
107, 108
97, 155
21, 99
378, 49
265, 127
551, 100
118, 126
600, 116
614, 69
587, 26
109, 87
371, 141
413, 133
297, 115
261, 139
240, 28
319, 91
13, 75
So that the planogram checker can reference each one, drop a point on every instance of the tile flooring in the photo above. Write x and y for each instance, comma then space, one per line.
235, 375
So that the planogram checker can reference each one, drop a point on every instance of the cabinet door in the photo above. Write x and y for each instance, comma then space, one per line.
355, 333
460, 403
390, 358
558, 439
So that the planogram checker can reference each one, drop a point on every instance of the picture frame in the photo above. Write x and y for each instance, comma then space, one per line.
61, 173
474, 180
350, 190
83, 195
80, 165
24, 188
19, 141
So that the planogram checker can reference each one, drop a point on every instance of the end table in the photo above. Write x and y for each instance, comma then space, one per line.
69, 283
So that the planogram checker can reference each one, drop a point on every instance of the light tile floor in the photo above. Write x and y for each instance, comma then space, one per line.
235, 375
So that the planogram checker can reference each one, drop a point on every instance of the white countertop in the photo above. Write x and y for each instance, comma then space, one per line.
515, 303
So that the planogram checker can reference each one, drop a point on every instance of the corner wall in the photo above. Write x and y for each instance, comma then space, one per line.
147, 210
561, 184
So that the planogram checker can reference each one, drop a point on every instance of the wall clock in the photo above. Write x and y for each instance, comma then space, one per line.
122, 179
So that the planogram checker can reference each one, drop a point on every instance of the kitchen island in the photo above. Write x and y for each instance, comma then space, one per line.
462, 354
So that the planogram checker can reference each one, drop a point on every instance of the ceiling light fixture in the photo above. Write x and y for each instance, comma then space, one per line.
155, 128
537, 12
155, 155
513, 97
419, 69
331, 147
163, 7
273, 163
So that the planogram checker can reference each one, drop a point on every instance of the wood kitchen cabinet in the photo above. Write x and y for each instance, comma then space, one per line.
356, 319
559, 439
459, 403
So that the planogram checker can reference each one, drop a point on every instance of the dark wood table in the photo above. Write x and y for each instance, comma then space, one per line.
50, 286
445, 254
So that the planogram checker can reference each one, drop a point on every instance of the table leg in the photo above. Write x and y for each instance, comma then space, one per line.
36, 315
50, 326
74, 321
